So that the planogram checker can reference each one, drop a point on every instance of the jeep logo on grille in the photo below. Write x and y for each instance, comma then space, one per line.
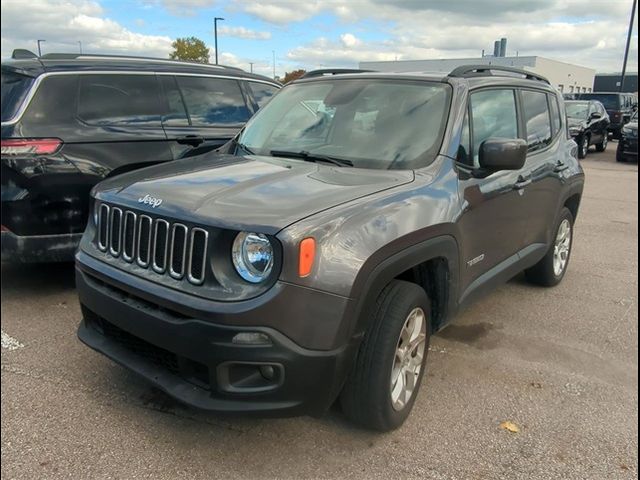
149, 200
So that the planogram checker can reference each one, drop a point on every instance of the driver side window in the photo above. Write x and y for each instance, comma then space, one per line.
493, 114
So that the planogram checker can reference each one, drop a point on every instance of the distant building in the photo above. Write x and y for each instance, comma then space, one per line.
566, 77
610, 82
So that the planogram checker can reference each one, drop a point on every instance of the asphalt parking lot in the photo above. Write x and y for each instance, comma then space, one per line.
561, 364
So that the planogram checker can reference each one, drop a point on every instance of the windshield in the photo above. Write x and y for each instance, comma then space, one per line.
610, 101
381, 124
15, 88
577, 109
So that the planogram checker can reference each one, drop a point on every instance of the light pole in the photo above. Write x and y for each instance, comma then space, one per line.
215, 34
39, 50
80, 45
251, 66
626, 50
274, 63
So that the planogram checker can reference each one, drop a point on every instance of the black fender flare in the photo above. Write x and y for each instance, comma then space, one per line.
371, 280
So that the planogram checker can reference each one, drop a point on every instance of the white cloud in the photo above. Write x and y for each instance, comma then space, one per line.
63, 23
245, 33
349, 40
184, 8
280, 13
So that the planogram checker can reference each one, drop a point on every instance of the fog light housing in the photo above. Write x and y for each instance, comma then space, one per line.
251, 338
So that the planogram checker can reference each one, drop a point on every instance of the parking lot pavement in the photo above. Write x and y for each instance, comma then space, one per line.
561, 364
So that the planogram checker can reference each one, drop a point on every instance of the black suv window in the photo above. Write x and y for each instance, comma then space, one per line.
213, 101
112, 99
493, 115
538, 121
262, 92
15, 88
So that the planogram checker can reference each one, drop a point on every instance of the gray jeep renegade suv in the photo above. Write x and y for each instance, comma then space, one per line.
314, 255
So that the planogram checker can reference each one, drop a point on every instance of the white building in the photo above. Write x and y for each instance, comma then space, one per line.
566, 77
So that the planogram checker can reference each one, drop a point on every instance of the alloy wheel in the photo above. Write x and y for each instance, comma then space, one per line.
562, 248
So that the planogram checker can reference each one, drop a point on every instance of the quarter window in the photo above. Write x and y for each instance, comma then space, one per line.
493, 115
536, 114
556, 122
213, 101
119, 100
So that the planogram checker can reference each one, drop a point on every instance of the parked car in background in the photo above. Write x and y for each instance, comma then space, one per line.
619, 106
69, 121
317, 252
588, 123
628, 144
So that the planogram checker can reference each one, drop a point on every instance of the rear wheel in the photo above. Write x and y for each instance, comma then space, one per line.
619, 152
383, 385
602, 146
551, 269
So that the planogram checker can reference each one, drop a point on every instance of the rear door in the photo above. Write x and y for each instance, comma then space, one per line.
203, 113
543, 168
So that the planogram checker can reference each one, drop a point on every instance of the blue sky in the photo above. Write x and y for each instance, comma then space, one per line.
313, 33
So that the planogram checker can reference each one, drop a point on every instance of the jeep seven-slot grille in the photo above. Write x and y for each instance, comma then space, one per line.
168, 248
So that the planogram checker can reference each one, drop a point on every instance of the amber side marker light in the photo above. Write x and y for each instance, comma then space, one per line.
307, 256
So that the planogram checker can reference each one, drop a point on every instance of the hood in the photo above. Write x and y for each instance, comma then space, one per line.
252, 192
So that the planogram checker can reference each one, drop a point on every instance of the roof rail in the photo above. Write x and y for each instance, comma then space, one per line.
485, 70
85, 56
21, 53
332, 71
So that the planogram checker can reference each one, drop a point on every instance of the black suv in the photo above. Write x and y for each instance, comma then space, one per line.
351, 218
588, 123
69, 121
628, 144
619, 106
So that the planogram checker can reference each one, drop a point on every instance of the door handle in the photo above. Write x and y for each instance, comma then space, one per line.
522, 182
193, 140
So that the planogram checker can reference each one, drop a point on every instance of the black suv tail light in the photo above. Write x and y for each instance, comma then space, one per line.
30, 146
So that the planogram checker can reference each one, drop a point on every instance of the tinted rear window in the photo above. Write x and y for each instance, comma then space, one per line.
119, 100
15, 88
213, 101
262, 92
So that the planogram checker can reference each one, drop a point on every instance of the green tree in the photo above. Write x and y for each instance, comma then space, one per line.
291, 76
190, 49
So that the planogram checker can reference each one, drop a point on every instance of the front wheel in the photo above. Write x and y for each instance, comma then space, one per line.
384, 382
583, 146
551, 269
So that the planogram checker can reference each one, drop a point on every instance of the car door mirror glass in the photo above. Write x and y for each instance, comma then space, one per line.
503, 154
596, 115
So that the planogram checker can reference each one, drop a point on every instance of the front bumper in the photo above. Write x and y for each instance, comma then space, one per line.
39, 248
196, 360
628, 147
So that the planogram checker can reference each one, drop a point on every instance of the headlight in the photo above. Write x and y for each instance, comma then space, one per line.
252, 255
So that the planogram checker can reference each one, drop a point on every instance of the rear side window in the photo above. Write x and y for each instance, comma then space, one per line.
176, 115
493, 115
15, 88
536, 114
119, 100
213, 101
556, 121
262, 92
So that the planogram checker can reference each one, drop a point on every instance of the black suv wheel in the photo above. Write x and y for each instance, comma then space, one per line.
583, 146
385, 380
602, 146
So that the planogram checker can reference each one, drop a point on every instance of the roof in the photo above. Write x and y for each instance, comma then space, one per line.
71, 62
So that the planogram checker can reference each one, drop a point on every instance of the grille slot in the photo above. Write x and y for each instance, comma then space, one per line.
168, 248
103, 227
178, 250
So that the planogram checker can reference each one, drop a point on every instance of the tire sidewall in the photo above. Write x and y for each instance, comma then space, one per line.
565, 214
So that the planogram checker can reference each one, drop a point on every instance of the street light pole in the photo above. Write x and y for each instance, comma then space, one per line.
215, 34
274, 63
251, 66
39, 50
80, 45
626, 50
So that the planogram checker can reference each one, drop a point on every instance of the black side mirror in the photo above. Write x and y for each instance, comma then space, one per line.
595, 115
503, 154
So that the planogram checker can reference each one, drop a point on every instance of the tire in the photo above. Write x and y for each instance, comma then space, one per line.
619, 155
367, 395
545, 272
583, 146
602, 146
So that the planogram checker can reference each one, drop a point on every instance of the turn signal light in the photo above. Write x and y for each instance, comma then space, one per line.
30, 146
307, 256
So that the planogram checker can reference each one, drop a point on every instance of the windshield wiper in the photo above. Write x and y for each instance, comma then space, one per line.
245, 148
313, 157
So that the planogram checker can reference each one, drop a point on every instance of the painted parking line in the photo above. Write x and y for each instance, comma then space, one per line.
10, 343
